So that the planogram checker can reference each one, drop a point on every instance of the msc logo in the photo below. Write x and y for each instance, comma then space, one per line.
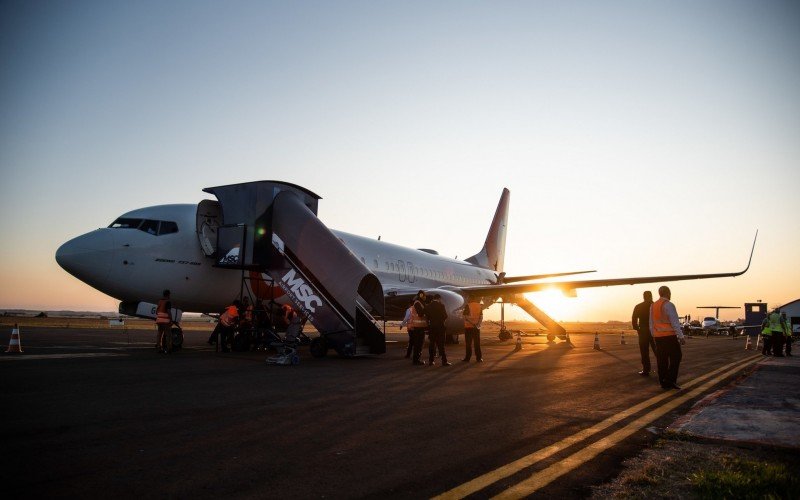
301, 290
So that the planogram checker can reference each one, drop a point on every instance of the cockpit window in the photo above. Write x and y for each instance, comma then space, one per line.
149, 226
167, 227
125, 223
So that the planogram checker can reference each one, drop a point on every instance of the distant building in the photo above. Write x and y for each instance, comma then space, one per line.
792, 310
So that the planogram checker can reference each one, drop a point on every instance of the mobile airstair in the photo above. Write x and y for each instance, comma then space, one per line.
272, 227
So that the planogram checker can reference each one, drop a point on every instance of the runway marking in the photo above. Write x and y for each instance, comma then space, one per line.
514, 467
61, 356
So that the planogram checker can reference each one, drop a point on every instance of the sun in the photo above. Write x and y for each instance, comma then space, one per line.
555, 304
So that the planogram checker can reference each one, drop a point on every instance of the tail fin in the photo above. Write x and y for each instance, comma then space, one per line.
493, 252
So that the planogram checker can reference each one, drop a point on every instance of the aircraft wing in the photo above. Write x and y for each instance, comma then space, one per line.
502, 278
504, 290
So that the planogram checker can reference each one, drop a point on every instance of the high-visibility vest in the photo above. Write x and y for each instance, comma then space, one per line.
775, 323
472, 318
661, 324
227, 318
417, 321
162, 313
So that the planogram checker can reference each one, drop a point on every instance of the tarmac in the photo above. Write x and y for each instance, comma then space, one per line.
92, 413
761, 408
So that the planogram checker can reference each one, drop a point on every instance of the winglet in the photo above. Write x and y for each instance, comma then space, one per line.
752, 250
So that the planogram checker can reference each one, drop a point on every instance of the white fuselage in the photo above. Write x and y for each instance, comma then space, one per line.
130, 264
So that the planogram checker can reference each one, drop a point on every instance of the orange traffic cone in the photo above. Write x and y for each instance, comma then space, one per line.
748, 346
622, 338
596, 342
14, 345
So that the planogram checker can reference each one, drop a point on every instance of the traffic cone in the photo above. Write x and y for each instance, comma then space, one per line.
596, 342
622, 338
14, 345
748, 346
518, 347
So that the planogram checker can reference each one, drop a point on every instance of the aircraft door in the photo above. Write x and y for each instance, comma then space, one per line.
412, 275
209, 216
401, 270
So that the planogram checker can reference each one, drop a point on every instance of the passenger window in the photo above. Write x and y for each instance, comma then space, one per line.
125, 223
149, 227
167, 227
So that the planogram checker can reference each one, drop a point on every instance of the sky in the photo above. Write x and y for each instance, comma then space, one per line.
637, 138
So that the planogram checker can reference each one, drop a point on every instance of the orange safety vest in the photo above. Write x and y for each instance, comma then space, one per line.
230, 314
417, 321
661, 324
473, 317
162, 313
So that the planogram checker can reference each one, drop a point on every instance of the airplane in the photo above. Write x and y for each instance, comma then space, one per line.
264, 238
712, 324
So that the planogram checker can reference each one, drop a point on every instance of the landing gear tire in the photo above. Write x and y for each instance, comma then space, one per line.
318, 347
551, 337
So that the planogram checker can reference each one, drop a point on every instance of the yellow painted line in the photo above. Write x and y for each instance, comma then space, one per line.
60, 356
512, 468
544, 477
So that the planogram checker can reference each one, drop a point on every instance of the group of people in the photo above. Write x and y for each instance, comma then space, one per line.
428, 315
776, 333
253, 319
659, 329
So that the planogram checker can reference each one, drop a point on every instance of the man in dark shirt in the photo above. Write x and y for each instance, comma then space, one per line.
437, 315
641, 323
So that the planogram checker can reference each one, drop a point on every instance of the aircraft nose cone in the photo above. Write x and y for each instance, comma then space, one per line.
87, 257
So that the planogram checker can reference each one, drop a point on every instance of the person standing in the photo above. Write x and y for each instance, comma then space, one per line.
473, 317
164, 322
641, 323
437, 315
668, 336
766, 336
416, 327
405, 323
787, 330
776, 326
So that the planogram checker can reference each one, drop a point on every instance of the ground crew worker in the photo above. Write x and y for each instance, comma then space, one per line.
437, 315
641, 323
787, 330
404, 323
163, 323
473, 317
417, 325
766, 335
668, 336
227, 324
776, 325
